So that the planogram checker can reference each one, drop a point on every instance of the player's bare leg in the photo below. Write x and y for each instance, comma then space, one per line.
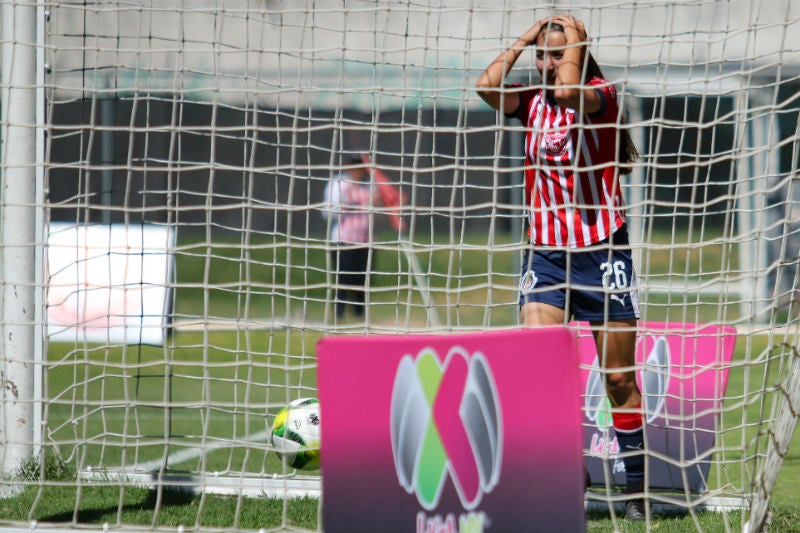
616, 344
535, 314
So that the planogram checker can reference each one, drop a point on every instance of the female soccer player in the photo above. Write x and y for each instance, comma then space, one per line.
579, 262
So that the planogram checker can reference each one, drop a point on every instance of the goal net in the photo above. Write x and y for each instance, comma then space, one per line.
179, 250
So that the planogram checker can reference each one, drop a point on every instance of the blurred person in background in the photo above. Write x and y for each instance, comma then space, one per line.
349, 202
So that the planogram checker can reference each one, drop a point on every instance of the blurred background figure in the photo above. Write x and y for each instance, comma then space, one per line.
348, 206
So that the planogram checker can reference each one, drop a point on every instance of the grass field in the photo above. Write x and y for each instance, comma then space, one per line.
115, 405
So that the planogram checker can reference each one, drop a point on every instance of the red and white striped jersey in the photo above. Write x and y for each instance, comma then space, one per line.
570, 175
347, 205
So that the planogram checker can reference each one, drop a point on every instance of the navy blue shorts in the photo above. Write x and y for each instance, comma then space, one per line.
602, 281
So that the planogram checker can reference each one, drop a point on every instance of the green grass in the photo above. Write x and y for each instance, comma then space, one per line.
456, 275
217, 385
472, 281
209, 386
136, 506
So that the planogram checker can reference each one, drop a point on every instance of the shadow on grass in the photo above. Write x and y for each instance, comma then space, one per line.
181, 507
139, 502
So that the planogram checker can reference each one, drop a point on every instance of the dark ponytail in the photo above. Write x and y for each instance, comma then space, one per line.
627, 152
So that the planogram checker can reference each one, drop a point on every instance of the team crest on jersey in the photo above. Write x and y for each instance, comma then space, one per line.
554, 143
528, 282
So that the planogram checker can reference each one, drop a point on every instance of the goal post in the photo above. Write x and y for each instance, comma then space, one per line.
168, 273
20, 230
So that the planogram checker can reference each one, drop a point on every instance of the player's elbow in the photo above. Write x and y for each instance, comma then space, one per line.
484, 84
488, 92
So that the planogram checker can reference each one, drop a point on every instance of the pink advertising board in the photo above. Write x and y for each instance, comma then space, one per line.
682, 370
451, 434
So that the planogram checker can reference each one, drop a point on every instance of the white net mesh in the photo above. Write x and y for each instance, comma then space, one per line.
201, 135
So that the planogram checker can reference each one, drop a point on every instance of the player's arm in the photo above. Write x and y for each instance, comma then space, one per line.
492, 79
570, 90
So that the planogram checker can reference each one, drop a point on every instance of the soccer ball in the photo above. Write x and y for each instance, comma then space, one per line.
295, 434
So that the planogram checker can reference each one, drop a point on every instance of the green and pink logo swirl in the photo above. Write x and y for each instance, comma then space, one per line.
446, 421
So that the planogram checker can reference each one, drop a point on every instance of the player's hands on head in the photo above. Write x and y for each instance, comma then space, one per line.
533, 32
574, 29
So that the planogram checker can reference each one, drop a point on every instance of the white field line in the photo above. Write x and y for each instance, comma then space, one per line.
193, 453
252, 486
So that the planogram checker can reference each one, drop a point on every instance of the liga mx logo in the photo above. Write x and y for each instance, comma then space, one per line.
446, 421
